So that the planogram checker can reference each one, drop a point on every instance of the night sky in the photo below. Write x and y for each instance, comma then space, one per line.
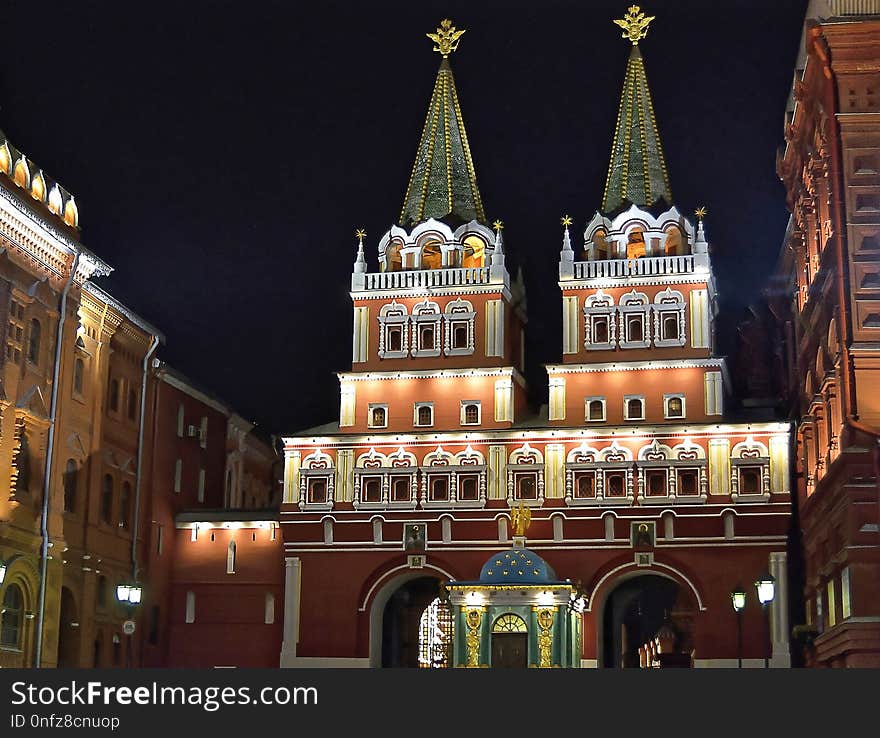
223, 153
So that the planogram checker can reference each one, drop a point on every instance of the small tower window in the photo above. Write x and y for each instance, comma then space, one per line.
635, 408
318, 490
635, 328
596, 409
585, 485
459, 335
424, 414
749, 480
468, 487
615, 484
426, 338
600, 329
230, 558
675, 407
470, 414
378, 416
655, 482
440, 489
670, 327
687, 480
400, 489
526, 487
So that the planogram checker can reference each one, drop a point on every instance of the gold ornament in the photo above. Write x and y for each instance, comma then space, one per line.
498, 225
473, 619
545, 639
700, 212
521, 517
566, 220
634, 24
446, 38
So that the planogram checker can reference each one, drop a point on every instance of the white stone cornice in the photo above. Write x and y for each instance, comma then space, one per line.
500, 371
632, 366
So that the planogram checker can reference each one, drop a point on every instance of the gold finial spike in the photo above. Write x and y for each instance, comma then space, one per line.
566, 220
700, 212
360, 234
498, 225
634, 24
446, 38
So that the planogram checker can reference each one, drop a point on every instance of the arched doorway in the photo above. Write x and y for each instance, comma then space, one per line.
68, 631
510, 642
634, 613
402, 621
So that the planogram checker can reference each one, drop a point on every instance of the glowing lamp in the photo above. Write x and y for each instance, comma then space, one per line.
738, 599
129, 594
766, 586
122, 591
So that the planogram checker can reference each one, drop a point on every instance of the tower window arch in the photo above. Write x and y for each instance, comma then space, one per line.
634, 408
474, 253
424, 413
378, 416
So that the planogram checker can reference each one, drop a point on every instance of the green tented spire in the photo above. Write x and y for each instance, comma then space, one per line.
443, 183
637, 173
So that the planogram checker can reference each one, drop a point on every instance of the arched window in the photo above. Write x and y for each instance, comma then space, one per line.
392, 258
107, 499
635, 408
12, 618
23, 465
424, 415
601, 246
435, 635
526, 487
33, 354
79, 369
468, 487
432, 255
70, 483
372, 490
474, 254
509, 623
635, 246
113, 399
596, 410
378, 417
471, 414
230, 558
675, 242
125, 505
132, 404
674, 407
669, 327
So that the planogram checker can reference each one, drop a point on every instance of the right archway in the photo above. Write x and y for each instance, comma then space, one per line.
638, 610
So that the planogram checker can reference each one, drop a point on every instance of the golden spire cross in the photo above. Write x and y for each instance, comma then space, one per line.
446, 38
700, 212
634, 24
360, 234
566, 220
498, 225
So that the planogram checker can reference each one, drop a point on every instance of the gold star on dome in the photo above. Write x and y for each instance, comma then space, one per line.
498, 225
700, 212
634, 24
566, 220
446, 38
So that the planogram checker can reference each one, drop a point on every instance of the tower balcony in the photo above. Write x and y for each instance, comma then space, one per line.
646, 266
421, 279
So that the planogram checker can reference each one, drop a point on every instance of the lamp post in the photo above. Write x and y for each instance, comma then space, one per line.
766, 586
738, 599
129, 596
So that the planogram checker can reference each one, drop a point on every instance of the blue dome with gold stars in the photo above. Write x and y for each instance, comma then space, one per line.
516, 566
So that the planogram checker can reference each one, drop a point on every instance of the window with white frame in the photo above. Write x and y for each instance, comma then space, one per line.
656, 482
426, 329
634, 326
599, 324
594, 409
371, 488
584, 487
673, 406
401, 488
669, 325
749, 479
469, 487
470, 412
687, 481
423, 414
393, 325
615, 483
459, 334
438, 487
526, 485
377, 415
634, 407
317, 490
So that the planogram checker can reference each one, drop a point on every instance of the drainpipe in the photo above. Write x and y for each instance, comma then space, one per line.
53, 408
140, 458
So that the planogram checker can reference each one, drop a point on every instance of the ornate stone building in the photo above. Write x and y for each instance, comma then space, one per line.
643, 489
829, 308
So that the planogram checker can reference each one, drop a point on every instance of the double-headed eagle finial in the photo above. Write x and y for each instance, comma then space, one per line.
634, 24
446, 38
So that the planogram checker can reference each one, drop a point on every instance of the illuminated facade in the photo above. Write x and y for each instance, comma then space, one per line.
642, 489
829, 320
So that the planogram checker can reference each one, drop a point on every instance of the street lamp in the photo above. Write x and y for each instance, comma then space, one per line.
766, 586
129, 596
738, 599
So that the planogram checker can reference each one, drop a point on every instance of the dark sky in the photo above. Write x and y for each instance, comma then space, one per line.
222, 154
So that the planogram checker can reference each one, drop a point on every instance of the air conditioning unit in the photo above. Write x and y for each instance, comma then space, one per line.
192, 431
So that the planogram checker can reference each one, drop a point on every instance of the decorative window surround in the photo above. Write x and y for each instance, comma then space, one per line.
425, 314
675, 396
465, 405
389, 471
599, 306
745, 456
685, 458
442, 465
393, 315
370, 416
316, 467
668, 303
614, 461
634, 305
416, 408
459, 313
587, 402
626, 408
525, 464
